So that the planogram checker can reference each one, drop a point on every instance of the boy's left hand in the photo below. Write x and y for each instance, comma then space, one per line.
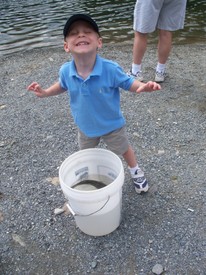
150, 86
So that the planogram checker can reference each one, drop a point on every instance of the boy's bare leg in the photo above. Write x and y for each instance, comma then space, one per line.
130, 158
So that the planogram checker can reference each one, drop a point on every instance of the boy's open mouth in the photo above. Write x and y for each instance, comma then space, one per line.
82, 43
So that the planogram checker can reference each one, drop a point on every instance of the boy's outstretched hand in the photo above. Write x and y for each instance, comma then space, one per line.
150, 86
36, 88
55, 89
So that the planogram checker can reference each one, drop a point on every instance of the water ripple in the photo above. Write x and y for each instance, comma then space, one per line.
31, 24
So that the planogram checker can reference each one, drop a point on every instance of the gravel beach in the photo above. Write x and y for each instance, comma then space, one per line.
161, 232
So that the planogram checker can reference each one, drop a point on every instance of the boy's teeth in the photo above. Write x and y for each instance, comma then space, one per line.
82, 43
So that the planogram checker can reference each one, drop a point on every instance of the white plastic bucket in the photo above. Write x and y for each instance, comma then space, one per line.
96, 212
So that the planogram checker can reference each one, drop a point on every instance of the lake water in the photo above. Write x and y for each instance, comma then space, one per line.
28, 24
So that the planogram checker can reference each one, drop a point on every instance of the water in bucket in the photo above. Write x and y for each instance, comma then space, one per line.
90, 184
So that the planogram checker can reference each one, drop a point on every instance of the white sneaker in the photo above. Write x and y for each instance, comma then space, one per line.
138, 75
140, 182
159, 76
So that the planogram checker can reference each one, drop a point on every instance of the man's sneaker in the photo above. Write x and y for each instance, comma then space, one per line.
138, 75
159, 76
140, 182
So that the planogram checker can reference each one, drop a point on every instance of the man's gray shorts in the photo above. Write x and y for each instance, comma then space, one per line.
162, 14
116, 141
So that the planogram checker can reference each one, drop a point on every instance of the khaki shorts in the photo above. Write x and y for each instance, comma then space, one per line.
166, 15
116, 141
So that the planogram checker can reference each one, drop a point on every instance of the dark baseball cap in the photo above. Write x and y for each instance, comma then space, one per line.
77, 17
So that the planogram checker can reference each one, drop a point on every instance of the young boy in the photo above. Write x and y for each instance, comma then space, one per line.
93, 85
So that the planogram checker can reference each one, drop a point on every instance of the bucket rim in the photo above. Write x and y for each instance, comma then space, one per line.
97, 191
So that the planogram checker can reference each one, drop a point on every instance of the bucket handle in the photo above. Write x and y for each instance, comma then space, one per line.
81, 215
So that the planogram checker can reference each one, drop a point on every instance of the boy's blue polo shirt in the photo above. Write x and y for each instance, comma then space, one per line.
95, 101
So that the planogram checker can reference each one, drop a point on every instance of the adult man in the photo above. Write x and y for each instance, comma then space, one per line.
149, 15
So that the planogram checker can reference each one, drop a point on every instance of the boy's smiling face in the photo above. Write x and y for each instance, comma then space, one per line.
82, 39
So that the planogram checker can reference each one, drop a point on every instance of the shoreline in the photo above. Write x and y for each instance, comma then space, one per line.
108, 45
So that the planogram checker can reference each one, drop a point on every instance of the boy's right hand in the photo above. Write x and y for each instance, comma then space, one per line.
36, 88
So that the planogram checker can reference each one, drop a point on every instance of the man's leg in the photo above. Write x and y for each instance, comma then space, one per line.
164, 45
139, 49
163, 49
